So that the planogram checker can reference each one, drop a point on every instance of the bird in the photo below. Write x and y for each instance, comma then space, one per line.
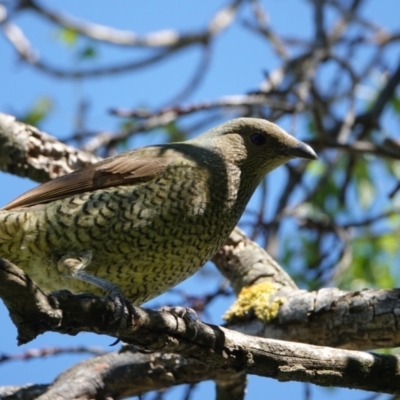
140, 222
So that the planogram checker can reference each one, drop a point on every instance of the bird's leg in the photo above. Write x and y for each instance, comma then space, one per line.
73, 265
186, 313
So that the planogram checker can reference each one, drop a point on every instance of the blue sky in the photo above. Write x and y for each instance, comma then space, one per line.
238, 63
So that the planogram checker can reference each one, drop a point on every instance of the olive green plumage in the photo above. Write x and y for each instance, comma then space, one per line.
146, 219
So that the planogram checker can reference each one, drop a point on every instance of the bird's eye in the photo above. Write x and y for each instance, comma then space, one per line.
258, 139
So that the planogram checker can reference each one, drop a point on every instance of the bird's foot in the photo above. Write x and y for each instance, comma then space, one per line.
73, 265
183, 312
187, 314
123, 308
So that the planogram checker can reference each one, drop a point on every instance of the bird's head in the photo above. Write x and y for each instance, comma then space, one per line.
255, 145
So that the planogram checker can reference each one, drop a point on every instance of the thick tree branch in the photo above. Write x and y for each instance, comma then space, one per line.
35, 311
270, 305
25, 151
245, 263
121, 374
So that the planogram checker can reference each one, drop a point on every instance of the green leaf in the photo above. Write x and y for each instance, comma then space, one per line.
68, 36
372, 259
127, 124
394, 167
175, 134
389, 243
310, 127
316, 168
89, 52
366, 192
394, 220
364, 185
395, 103
38, 111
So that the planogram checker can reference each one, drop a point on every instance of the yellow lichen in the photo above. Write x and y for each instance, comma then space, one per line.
255, 300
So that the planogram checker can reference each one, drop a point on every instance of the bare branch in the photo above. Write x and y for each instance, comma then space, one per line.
165, 38
169, 42
24, 49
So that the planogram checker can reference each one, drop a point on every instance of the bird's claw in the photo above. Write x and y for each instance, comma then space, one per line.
187, 314
74, 264
123, 310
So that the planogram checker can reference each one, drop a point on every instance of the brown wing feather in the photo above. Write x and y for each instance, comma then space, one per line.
123, 169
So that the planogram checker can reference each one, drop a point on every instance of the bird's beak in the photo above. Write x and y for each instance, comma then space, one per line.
303, 150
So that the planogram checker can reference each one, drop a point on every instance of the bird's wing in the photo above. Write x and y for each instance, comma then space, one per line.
124, 169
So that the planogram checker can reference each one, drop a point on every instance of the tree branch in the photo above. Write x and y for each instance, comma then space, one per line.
25, 151
121, 374
218, 347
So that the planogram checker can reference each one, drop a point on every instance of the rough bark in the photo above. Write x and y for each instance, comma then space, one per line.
35, 312
26, 151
